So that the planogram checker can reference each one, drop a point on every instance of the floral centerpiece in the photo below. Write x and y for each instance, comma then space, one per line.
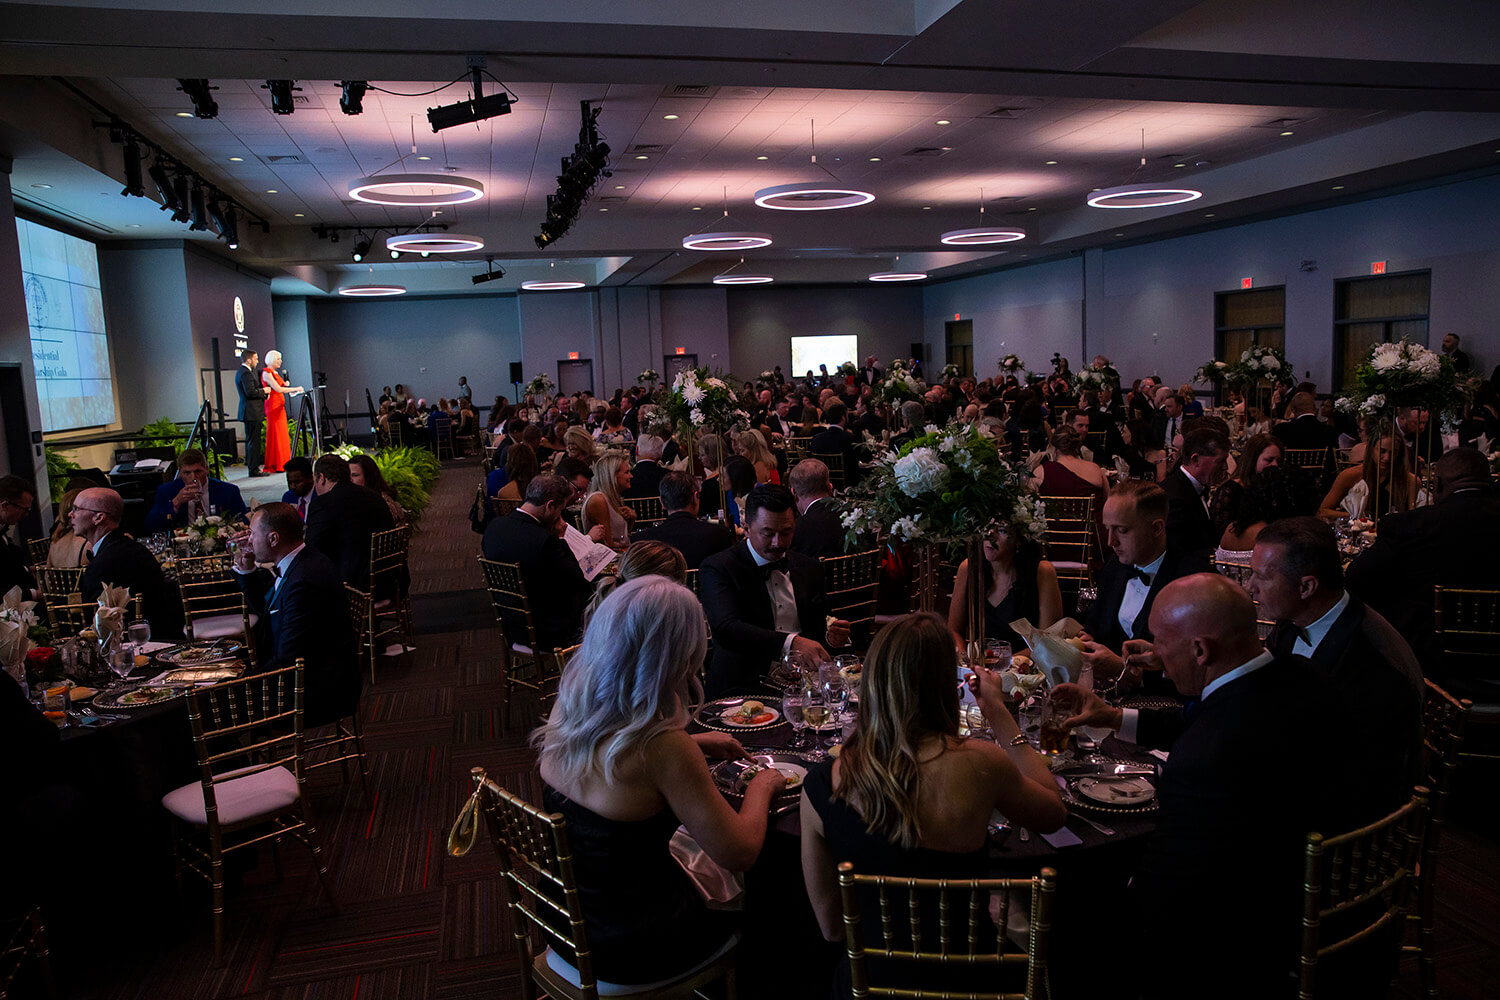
1090, 380
848, 370
898, 365
1012, 365
1103, 366
766, 379
649, 376
1216, 371
699, 397
17, 619
950, 371
541, 385
1260, 363
898, 386
1399, 375
209, 534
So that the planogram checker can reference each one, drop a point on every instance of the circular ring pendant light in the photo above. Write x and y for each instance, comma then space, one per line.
726, 241
416, 189
550, 286
728, 277
434, 243
983, 236
898, 276
811, 197
1142, 196
372, 291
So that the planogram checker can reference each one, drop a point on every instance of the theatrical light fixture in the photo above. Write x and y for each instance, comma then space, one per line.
491, 272
197, 212
163, 182
476, 109
361, 248
201, 94
281, 95
183, 211
581, 172
135, 184
370, 291
1142, 196
416, 189
221, 215
352, 100
426, 243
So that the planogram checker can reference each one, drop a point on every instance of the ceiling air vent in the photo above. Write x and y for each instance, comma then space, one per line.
691, 90
927, 151
1005, 112
284, 158
646, 149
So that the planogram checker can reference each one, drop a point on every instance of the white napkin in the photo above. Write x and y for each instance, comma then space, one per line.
1050, 652
720, 888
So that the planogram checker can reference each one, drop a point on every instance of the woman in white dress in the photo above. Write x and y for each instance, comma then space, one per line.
603, 504
1383, 475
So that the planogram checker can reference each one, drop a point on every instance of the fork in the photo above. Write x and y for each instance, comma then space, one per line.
1108, 831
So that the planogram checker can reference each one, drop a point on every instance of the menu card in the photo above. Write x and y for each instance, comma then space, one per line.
592, 557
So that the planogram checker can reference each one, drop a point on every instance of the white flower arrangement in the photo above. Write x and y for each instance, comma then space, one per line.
648, 375
897, 365
697, 398
1089, 380
920, 471
1262, 363
540, 385
1400, 374
950, 371
1012, 365
209, 533
899, 385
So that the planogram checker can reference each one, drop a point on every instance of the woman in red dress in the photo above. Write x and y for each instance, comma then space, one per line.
278, 441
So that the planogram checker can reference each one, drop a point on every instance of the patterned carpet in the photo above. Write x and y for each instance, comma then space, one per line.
413, 923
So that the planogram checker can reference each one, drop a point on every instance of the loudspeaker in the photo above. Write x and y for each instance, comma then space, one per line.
515, 372
918, 351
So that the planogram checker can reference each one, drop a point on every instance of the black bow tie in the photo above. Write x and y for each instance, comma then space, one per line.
781, 565
1284, 636
276, 570
1136, 573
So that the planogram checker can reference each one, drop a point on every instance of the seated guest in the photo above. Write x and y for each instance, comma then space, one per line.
612, 430
1483, 419
605, 505
522, 467
1069, 474
646, 475
579, 444
342, 519
1018, 583
364, 472
836, 440
681, 529
67, 550
1205, 454
1302, 428
908, 796
1455, 543
303, 612
820, 531
575, 473
752, 447
1142, 560
1379, 485
711, 455
299, 484
121, 561
618, 763
736, 483
16, 499
1166, 419
1275, 494
1145, 458
1190, 405
1261, 452
913, 419
763, 600
532, 537
191, 495
642, 558
1217, 848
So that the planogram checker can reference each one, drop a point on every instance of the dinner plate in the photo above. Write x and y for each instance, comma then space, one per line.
730, 775
1116, 791
209, 674
196, 654
138, 697
712, 715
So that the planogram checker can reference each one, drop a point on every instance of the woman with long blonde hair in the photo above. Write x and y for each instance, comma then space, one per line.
908, 796
752, 446
646, 557
604, 505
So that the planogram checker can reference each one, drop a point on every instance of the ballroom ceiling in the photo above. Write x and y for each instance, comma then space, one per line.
1265, 106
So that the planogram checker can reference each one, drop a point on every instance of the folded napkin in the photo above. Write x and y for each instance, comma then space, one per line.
1053, 654
109, 620
18, 616
1122, 467
720, 888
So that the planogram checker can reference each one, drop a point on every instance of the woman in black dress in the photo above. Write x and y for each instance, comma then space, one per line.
1018, 583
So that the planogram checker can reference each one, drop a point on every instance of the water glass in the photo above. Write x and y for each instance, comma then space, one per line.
791, 707
122, 662
140, 634
997, 654
816, 716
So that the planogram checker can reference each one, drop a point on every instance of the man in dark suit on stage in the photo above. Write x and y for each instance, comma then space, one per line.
820, 532
252, 409
695, 539
121, 561
1205, 454
194, 493
835, 440
342, 519
762, 599
303, 612
555, 585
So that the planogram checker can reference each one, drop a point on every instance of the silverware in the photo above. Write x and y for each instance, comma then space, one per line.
1108, 831
1025, 835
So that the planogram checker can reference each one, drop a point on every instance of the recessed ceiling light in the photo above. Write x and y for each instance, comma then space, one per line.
619, 187
1286, 133
669, 118
132, 225
926, 208
424, 157
1338, 187
1051, 163
272, 191
41, 185
298, 215
762, 157
1179, 164
944, 121
874, 159
184, 114
697, 208
1208, 215
1119, 234
236, 159
1031, 209
947, 149
642, 156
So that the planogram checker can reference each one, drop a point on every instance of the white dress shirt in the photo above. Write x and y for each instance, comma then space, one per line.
783, 600
1243, 670
1318, 630
1136, 592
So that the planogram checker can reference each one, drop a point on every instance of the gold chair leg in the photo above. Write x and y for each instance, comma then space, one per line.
359, 746
216, 868
317, 853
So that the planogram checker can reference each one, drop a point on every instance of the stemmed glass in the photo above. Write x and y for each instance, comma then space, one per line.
140, 634
122, 662
815, 712
791, 707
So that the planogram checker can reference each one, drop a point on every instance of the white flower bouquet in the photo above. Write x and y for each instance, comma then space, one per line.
1398, 375
700, 398
540, 385
648, 376
1089, 380
1260, 364
899, 385
1012, 365
950, 371
209, 534
1216, 371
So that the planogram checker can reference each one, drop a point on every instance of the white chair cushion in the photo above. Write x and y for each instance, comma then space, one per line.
264, 793
220, 626
559, 965
517, 647
1486, 708
1065, 564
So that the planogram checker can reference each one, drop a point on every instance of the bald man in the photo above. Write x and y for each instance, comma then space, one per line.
121, 561
1248, 778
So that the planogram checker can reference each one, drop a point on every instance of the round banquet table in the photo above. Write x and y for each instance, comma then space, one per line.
1091, 887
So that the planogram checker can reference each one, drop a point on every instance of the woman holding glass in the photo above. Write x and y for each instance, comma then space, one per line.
618, 763
908, 796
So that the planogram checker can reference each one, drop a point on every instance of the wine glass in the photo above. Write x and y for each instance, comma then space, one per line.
997, 654
122, 662
815, 713
791, 707
140, 634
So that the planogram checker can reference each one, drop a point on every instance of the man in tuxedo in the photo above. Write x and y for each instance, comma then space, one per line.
835, 440
1461, 363
819, 532
1205, 455
299, 484
252, 409
532, 537
121, 561
1140, 564
342, 519
646, 476
1166, 419
762, 599
1455, 543
872, 371
193, 494
695, 539
1218, 849
302, 610
1303, 429
17, 497
1424, 441
775, 419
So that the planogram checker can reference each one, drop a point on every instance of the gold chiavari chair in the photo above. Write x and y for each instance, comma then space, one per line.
1314, 460
37, 550
247, 734
835, 463
541, 893
851, 582
60, 583
1356, 892
504, 508
692, 582
389, 590
935, 927
27, 941
362, 616
648, 511
526, 666
1097, 443
1466, 628
1072, 541
797, 448
1442, 738
213, 605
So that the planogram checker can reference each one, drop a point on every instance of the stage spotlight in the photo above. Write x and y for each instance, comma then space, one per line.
352, 102
201, 94
183, 210
163, 182
491, 272
360, 249
281, 95
135, 185
196, 211
476, 109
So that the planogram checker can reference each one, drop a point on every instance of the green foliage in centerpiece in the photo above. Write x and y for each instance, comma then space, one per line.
699, 397
946, 485
540, 385
1398, 375
899, 385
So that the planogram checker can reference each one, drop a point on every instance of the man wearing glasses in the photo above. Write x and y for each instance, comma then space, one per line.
16, 499
121, 561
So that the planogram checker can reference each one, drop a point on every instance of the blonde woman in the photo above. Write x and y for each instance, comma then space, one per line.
579, 444
603, 505
753, 446
644, 558
67, 551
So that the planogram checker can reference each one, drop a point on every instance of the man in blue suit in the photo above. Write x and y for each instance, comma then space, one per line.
252, 410
192, 494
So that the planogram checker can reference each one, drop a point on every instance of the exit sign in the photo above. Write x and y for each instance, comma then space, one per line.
1378, 267
1246, 282
955, 317
682, 350
572, 355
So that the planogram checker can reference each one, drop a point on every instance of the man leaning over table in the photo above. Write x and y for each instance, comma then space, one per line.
192, 495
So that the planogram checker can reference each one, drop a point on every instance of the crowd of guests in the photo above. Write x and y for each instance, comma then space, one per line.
402, 418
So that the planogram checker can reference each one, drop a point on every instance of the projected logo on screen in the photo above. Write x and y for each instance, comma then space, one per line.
831, 350
65, 311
